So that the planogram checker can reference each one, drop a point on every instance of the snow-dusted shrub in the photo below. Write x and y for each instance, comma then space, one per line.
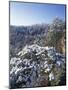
36, 66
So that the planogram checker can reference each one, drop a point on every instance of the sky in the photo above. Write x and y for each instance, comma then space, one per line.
22, 13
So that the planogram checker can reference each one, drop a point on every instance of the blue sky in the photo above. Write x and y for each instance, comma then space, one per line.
34, 13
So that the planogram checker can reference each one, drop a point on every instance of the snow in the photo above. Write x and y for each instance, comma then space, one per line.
19, 79
47, 70
51, 76
34, 47
59, 63
18, 69
14, 60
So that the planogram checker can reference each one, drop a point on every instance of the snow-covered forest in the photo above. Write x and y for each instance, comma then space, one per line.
38, 55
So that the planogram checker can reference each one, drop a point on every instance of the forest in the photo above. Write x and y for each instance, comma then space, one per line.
37, 55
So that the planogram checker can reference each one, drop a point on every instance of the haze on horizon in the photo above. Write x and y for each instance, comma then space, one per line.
22, 13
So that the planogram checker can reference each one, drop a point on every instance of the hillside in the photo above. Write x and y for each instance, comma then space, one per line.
38, 55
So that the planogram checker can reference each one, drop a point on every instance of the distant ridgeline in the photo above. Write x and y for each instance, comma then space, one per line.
41, 34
